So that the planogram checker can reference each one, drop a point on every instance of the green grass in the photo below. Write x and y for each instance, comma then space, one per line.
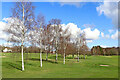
88, 68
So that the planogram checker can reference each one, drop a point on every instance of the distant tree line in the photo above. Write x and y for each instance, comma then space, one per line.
70, 50
97, 50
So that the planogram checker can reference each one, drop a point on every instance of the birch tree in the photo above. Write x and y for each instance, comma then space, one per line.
48, 39
37, 35
20, 23
79, 43
84, 45
56, 25
65, 38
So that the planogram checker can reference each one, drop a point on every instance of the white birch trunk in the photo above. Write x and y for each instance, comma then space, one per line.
40, 59
56, 50
40, 55
64, 57
56, 56
22, 59
22, 41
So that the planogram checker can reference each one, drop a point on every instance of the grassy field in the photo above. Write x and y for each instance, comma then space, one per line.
88, 68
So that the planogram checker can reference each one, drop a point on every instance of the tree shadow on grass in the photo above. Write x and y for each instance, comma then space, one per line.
26, 63
14, 65
35, 59
49, 61
53, 57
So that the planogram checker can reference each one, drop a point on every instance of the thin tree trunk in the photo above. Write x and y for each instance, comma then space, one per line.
56, 51
40, 54
40, 59
56, 56
22, 59
84, 56
22, 41
64, 57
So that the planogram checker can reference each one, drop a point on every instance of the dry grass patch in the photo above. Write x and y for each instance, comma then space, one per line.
104, 65
2, 56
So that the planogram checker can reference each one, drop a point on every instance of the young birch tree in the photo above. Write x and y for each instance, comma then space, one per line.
79, 43
20, 24
48, 40
37, 35
65, 38
83, 40
84, 45
56, 25
78, 46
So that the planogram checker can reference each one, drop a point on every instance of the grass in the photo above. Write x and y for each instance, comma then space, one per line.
88, 68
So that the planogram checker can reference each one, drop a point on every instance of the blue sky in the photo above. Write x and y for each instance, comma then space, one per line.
86, 13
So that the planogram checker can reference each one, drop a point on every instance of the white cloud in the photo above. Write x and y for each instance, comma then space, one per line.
2, 33
115, 35
104, 46
77, 4
109, 9
105, 36
102, 34
8, 44
72, 28
89, 41
110, 30
91, 34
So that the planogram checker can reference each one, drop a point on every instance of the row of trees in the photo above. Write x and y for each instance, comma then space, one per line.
25, 30
98, 50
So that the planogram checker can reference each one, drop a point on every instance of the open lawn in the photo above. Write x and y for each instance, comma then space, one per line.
88, 68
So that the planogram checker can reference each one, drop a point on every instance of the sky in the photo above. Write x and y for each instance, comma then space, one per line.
97, 19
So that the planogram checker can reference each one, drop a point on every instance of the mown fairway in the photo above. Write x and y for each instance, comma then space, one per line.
88, 68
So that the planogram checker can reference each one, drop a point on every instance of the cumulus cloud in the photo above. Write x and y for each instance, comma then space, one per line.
8, 44
105, 36
115, 35
109, 9
91, 34
72, 29
110, 30
2, 27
